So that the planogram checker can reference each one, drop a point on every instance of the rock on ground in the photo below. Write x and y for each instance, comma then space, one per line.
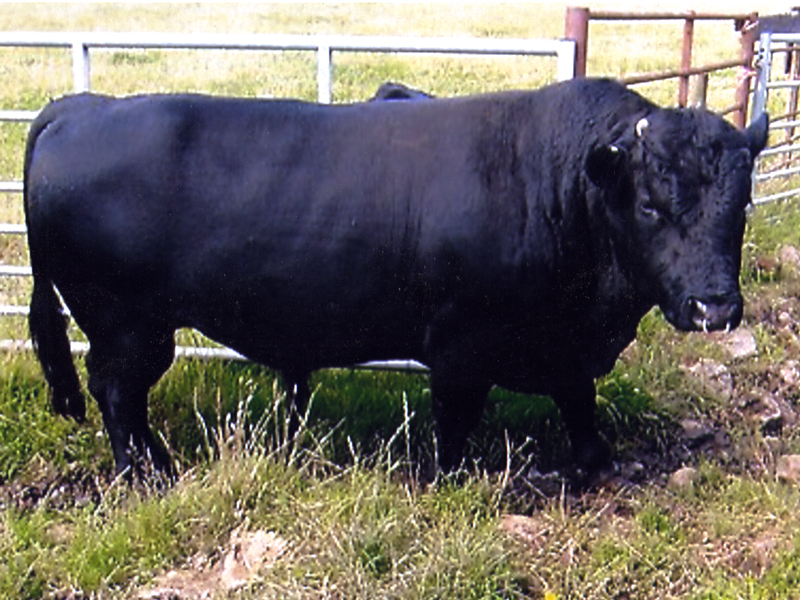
246, 555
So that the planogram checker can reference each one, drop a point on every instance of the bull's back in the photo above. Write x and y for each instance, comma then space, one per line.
331, 213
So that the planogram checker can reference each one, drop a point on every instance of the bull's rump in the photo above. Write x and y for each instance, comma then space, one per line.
282, 222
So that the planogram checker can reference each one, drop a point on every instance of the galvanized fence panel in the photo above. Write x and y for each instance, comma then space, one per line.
80, 45
777, 172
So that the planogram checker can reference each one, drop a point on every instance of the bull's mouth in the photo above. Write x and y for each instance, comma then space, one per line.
715, 313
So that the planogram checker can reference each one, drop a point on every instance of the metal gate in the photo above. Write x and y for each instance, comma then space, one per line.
777, 174
80, 44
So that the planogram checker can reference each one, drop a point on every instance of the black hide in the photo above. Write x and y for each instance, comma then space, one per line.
511, 239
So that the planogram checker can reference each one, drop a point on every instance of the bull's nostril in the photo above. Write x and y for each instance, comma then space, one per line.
701, 308
698, 313
716, 313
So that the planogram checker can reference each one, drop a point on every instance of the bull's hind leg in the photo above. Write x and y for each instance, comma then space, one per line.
458, 402
122, 369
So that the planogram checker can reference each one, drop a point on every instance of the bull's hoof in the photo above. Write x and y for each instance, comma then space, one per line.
592, 456
70, 406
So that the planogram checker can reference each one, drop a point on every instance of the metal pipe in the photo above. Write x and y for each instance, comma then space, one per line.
18, 116
686, 61
227, 354
607, 15
747, 44
729, 109
779, 150
700, 91
576, 28
649, 77
777, 173
14, 187
786, 84
775, 197
324, 69
784, 124
280, 42
80, 66
14, 271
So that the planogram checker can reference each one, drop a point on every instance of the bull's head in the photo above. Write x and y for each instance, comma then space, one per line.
676, 187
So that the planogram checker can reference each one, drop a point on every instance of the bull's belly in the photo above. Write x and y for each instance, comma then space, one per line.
307, 342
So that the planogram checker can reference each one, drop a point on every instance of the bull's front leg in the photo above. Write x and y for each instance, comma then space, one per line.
577, 404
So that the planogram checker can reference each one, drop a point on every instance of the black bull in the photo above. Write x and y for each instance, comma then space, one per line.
512, 239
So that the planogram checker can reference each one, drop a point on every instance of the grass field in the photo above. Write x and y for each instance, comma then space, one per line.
346, 515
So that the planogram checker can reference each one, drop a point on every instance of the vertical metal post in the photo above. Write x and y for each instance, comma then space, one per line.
763, 69
576, 27
793, 55
763, 73
700, 91
324, 67
80, 66
565, 59
747, 41
686, 59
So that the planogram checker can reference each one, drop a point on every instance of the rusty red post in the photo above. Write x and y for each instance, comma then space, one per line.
576, 27
686, 59
747, 40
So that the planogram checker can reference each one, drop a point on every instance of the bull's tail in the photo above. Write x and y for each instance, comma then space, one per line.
47, 320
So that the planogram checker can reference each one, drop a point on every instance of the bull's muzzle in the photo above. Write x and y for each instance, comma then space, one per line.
715, 313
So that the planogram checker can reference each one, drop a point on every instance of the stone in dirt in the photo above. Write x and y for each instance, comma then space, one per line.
684, 478
789, 372
771, 411
696, 433
246, 555
740, 343
789, 258
531, 530
787, 469
714, 377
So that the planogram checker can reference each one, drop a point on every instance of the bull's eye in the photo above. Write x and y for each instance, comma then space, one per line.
661, 168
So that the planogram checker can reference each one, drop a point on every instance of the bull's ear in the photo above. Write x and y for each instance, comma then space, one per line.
757, 134
605, 165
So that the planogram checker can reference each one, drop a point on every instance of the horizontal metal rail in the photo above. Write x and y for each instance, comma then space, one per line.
779, 150
784, 38
12, 271
777, 173
776, 197
19, 116
608, 15
785, 84
323, 45
670, 74
203, 352
13, 228
14, 187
